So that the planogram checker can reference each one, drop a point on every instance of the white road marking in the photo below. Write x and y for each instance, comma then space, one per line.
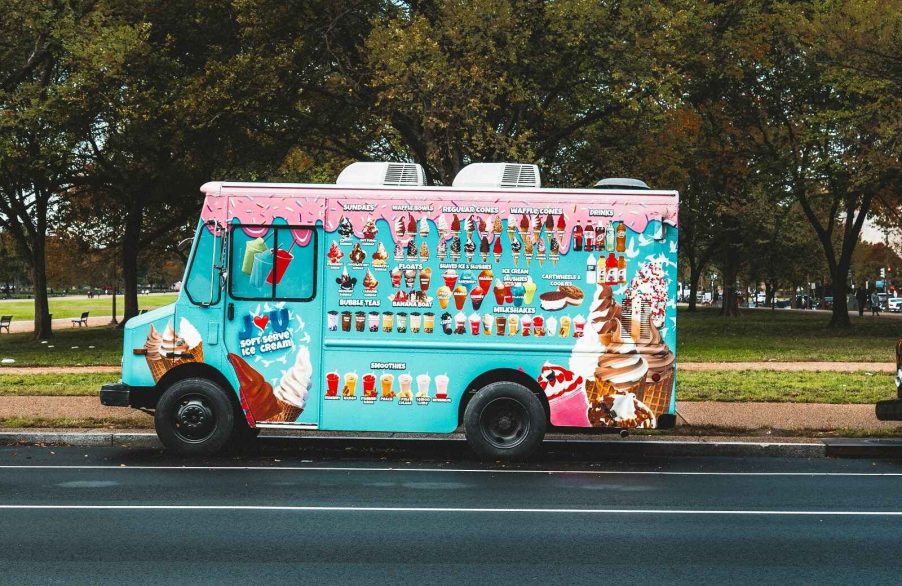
450, 510
461, 470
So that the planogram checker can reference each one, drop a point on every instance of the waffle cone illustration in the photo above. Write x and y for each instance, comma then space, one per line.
598, 390
289, 412
158, 367
656, 394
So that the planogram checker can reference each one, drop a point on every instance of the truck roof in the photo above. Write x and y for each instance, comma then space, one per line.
228, 188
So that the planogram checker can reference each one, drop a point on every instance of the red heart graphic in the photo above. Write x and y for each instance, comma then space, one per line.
260, 321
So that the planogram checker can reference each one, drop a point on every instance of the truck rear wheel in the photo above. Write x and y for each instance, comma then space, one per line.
504, 421
194, 417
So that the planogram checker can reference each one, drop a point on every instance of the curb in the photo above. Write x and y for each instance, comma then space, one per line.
455, 445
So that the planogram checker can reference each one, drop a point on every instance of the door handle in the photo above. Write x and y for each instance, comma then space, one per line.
230, 311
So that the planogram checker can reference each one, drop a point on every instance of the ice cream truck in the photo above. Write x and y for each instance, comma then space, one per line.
380, 304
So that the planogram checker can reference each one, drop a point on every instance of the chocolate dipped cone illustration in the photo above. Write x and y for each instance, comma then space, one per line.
255, 391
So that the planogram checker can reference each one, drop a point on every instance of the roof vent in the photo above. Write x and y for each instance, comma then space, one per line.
507, 175
381, 174
621, 183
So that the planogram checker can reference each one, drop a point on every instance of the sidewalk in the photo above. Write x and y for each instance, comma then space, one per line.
793, 417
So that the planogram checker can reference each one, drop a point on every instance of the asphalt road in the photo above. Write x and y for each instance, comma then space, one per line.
77, 515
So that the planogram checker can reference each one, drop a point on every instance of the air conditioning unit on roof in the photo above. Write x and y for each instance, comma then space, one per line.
374, 174
509, 175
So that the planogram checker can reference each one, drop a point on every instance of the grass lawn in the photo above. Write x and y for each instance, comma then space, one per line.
758, 335
140, 421
61, 349
785, 387
65, 307
783, 336
87, 384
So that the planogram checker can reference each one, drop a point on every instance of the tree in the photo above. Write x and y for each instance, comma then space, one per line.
39, 130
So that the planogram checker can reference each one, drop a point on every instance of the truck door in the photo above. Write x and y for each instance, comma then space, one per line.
273, 319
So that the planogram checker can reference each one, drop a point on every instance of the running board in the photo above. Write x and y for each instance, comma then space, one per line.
310, 426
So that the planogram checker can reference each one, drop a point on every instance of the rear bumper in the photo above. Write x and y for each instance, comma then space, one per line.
889, 410
123, 395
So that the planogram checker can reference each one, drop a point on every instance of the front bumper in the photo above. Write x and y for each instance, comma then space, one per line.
890, 410
123, 395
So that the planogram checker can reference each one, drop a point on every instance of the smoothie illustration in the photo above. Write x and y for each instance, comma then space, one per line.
252, 248
369, 385
441, 386
423, 386
283, 259
332, 380
405, 383
261, 268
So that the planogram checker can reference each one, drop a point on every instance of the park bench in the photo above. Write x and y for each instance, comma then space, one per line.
5, 320
81, 321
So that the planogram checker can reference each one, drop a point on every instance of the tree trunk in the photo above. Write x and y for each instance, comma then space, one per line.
840, 317
130, 245
695, 273
42, 325
730, 306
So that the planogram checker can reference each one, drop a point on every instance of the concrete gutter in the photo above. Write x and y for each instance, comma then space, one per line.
556, 445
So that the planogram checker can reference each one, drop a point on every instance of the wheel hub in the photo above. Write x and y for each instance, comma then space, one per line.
504, 422
194, 419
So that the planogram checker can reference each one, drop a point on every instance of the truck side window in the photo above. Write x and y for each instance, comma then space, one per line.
274, 262
201, 283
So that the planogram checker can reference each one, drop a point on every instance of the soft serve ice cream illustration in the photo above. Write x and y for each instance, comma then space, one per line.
294, 386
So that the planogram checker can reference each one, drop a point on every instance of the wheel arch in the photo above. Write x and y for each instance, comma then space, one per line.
501, 374
192, 370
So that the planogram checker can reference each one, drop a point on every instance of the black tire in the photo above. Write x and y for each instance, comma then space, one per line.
194, 417
504, 421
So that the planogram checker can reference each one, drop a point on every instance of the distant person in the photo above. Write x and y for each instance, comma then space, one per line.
875, 303
861, 295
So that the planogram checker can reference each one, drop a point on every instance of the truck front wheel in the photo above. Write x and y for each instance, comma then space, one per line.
504, 421
194, 417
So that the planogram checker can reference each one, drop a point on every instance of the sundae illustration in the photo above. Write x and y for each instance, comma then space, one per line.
411, 249
335, 254
380, 256
345, 229
357, 256
346, 282
369, 229
369, 282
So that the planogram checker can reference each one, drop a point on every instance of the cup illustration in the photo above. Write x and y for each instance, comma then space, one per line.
444, 295
508, 296
476, 297
538, 325
551, 330
333, 321
369, 385
513, 325
475, 323
401, 320
351, 383
428, 322
405, 384
518, 291
450, 277
487, 322
251, 248
359, 321
388, 321
447, 323
346, 321
416, 321
332, 379
387, 381
283, 259
423, 385
460, 297
526, 324
261, 269
441, 386
500, 325
564, 332
373, 321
